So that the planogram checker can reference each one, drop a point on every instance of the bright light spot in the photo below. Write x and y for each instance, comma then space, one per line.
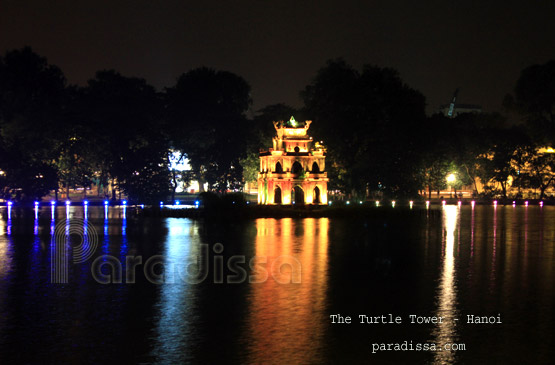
473, 203
377, 203
451, 178
179, 162
67, 202
177, 202
459, 203
348, 202
86, 202
427, 204
541, 204
36, 203
495, 203
105, 202
393, 203
526, 203
53, 202
443, 202
360, 202
124, 202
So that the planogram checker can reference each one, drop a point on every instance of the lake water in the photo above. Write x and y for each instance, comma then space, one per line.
262, 291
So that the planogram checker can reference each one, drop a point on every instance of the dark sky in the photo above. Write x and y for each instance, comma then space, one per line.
277, 46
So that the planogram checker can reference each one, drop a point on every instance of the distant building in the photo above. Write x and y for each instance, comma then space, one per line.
179, 163
294, 170
452, 110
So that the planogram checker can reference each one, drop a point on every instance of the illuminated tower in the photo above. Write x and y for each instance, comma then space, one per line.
294, 170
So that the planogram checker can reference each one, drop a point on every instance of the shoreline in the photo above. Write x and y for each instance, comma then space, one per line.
365, 210
336, 203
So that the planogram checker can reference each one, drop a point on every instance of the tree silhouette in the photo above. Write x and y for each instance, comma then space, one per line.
370, 121
32, 99
206, 121
534, 99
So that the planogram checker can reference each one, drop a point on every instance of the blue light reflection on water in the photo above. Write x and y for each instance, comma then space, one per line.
124, 239
172, 331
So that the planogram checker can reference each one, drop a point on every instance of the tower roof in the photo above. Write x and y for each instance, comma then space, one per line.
292, 128
292, 123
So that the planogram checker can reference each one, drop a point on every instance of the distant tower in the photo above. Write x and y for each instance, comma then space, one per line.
293, 171
452, 105
454, 109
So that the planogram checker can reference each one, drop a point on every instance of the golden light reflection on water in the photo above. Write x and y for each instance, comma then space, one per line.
296, 309
446, 331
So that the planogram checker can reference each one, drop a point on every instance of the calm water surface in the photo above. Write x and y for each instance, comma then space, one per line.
262, 291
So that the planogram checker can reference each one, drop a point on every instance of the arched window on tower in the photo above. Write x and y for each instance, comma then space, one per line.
315, 167
316, 197
279, 168
297, 195
277, 195
297, 168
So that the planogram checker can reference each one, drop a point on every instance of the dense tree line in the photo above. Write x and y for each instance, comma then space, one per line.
381, 143
119, 133
116, 131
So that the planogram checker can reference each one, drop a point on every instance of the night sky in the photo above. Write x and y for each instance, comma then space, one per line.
277, 46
